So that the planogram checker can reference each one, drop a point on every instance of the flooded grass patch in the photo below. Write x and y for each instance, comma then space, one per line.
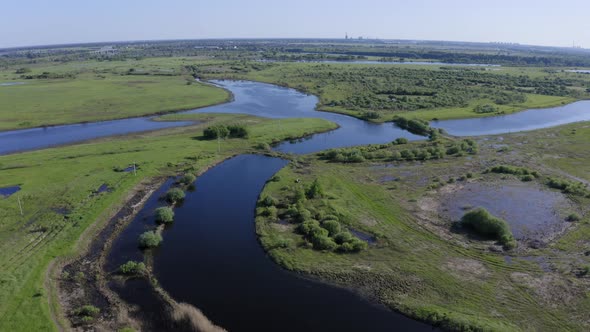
8, 191
533, 213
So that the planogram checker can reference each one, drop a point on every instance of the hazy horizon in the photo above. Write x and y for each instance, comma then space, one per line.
527, 22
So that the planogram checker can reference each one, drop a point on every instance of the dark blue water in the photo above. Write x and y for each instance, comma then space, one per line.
7, 191
39, 138
521, 121
211, 258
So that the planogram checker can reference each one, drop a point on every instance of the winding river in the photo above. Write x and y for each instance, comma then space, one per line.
210, 256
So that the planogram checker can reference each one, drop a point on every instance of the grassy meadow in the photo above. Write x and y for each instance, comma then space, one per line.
93, 91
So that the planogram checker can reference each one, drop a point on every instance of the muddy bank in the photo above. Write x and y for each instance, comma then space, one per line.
82, 280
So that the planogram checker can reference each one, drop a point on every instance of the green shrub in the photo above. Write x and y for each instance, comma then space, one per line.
149, 239
268, 201
332, 226
187, 179
132, 268
237, 131
270, 212
527, 178
322, 242
164, 215
307, 226
263, 146
343, 237
218, 131
87, 311
175, 195
573, 217
315, 190
400, 141
485, 224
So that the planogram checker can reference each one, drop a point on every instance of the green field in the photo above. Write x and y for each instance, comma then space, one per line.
59, 204
90, 98
418, 265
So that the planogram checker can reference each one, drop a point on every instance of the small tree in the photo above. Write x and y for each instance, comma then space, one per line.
164, 215
149, 239
315, 190
174, 195
187, 179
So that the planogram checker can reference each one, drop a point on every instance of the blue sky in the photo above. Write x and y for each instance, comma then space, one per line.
539, 22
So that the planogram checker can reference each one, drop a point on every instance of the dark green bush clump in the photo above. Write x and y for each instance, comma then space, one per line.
487, 108
268, 201
87, 312
164, 215
485, 224
149, 239
187, 179
573, 217
415, 126
132, 268
174, 195
504, 169
568, 187
315, 190
223, 131
400, 141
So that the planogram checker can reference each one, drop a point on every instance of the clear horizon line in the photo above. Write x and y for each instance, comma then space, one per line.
53, 45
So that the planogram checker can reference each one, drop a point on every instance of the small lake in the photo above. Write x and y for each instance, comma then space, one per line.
579, 71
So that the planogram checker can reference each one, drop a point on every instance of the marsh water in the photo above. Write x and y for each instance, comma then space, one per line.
210, 256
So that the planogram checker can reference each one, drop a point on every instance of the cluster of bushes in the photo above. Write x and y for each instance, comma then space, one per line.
569, 187
487, 108
224, 131
524, 173
329, 235
484, 224
132, 268
383, 152
324, 232
415, 126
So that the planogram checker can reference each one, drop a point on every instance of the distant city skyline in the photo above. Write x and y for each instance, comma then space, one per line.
541, 22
